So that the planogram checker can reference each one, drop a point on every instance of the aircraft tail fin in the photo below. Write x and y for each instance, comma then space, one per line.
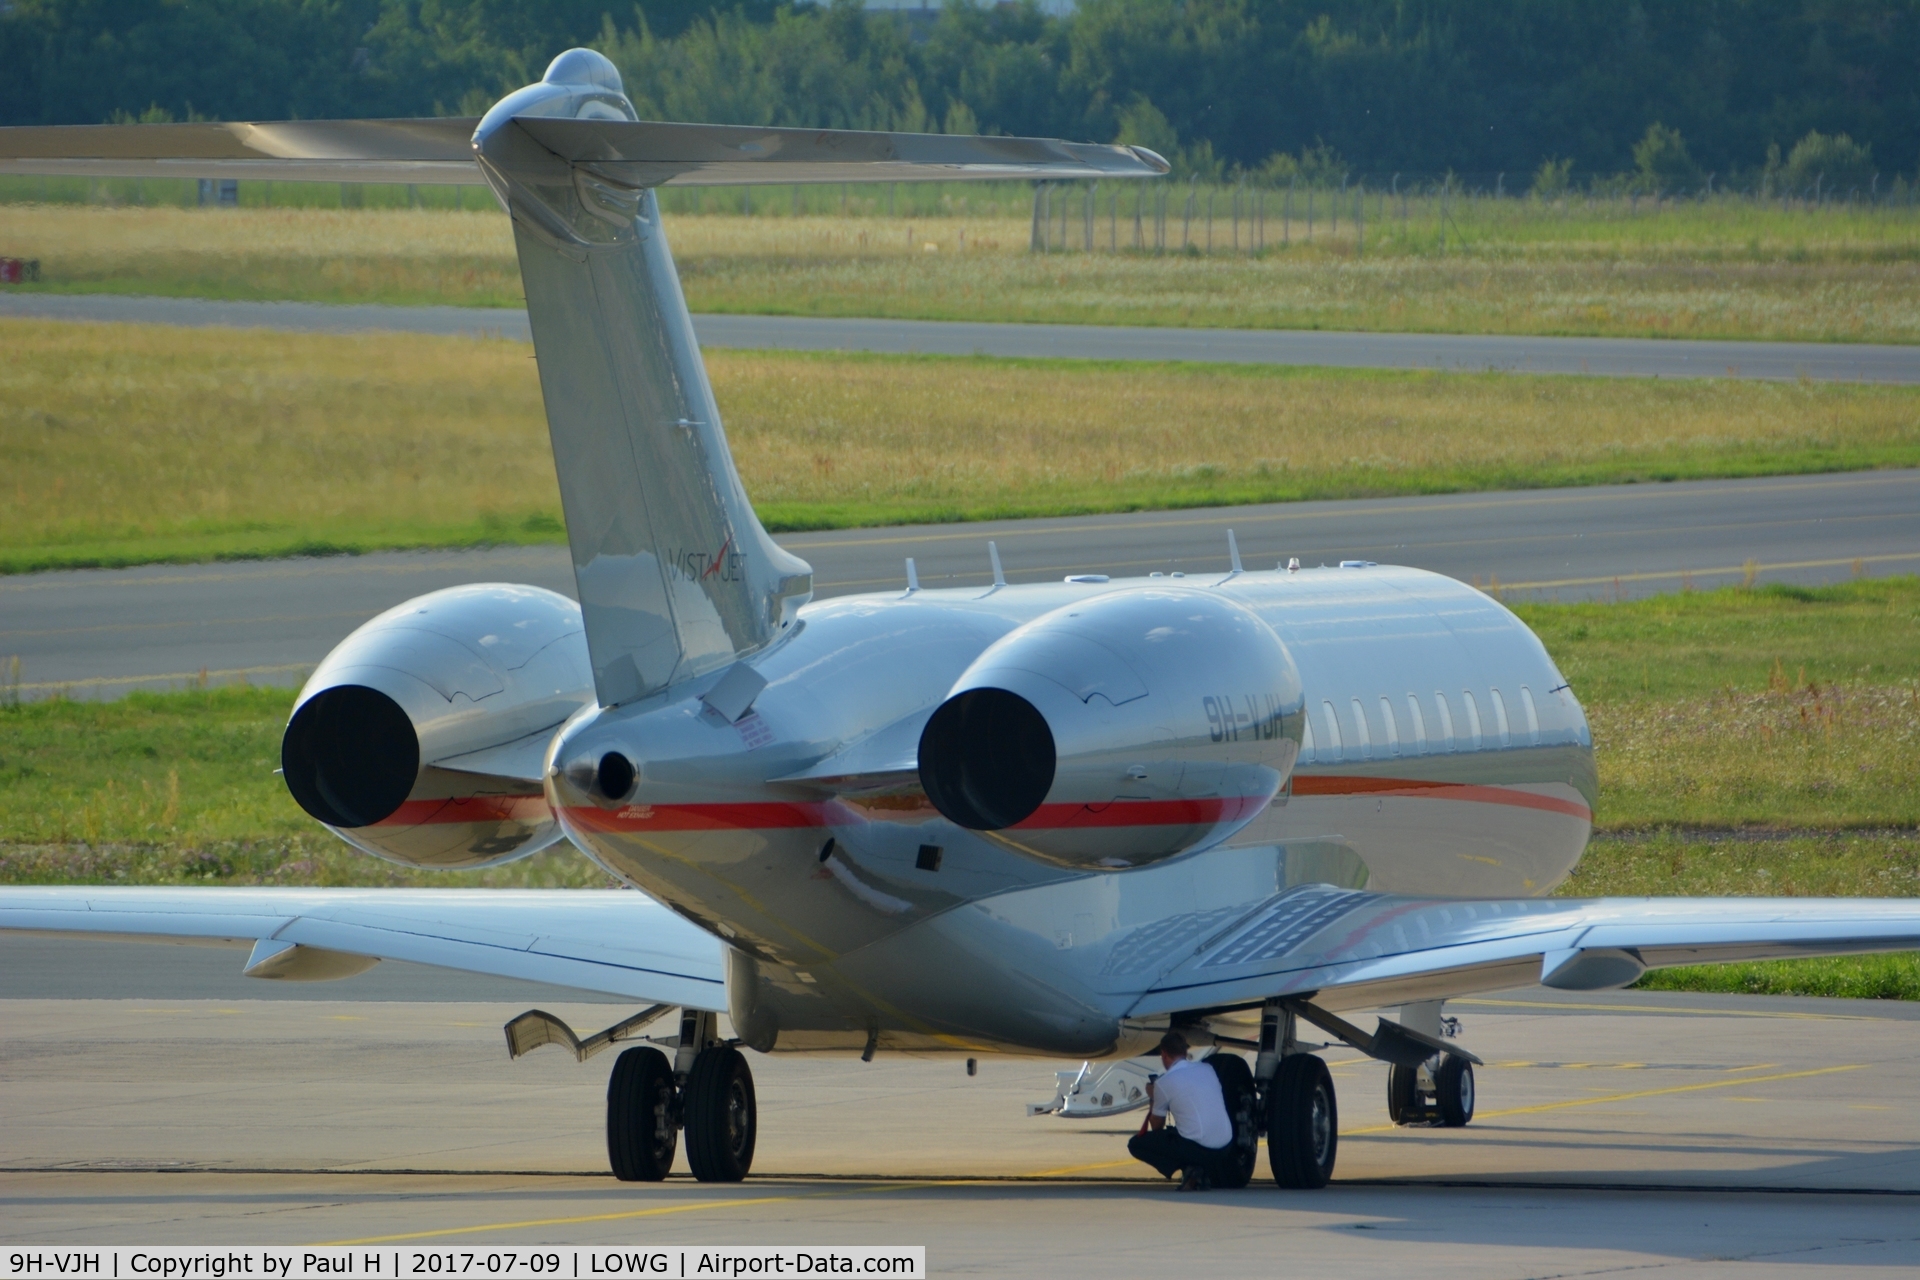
677, 577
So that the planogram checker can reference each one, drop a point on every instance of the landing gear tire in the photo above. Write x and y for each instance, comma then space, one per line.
721, 1116
1403, 1096
1303, 1123
1453, 1091
641, 1132
1234, 1167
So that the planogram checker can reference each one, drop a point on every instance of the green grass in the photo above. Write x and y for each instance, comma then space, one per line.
1718, 269
178, 788
131, 444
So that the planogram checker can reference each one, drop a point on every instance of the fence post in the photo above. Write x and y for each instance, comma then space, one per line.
1286, 218
1360, 222
1139, 194
1086, 211
1186, 218
1309, 213
1113, 221
1338, 201
1210, 194
1034, 243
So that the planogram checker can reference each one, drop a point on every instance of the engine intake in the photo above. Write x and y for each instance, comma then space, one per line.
422, 736
350, 756
987, 759
1119, 730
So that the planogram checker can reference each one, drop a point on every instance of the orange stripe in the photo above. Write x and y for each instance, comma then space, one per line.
1345, 785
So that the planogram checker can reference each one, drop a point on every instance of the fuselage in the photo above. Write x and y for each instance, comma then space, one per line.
1441, 753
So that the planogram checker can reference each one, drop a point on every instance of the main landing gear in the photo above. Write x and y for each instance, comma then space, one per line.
1438, 1091
707, 1089
1299, 1112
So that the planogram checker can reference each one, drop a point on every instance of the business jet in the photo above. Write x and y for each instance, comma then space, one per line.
1052, 820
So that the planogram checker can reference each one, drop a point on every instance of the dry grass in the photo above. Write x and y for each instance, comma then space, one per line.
1689, 274
133, 443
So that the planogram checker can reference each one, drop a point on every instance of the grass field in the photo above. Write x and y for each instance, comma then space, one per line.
178, 788
132, 444
1729, 270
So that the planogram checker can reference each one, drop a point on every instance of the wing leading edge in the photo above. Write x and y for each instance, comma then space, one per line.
1350, 950
622, 944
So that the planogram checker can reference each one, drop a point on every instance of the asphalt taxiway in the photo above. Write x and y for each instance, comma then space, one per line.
1458, 353
102, 632
1618, 1131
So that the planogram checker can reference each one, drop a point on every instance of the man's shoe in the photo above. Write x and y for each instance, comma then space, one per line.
1196, 1180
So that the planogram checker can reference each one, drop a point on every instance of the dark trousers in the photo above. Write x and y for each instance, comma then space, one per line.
1170, 1153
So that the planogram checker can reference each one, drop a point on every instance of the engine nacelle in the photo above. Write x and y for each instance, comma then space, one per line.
380, 746
1132, 727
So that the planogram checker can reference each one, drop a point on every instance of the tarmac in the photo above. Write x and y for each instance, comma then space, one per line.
1617, 1132
98, 633
1457, 353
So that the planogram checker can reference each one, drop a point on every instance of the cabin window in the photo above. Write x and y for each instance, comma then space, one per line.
1532, 715
1500, 726
1473, 718
1334, 749
1447, 740
1419, 721
1361, 738
1393, 730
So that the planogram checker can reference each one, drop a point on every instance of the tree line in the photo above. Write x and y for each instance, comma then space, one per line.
1661, 94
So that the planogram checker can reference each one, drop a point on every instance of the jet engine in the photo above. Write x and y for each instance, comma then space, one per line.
1119, 731
422, 737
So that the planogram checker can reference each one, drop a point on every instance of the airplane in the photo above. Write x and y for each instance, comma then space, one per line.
1052, 819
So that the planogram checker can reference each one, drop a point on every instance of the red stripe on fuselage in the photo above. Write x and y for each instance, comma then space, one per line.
1418, 788
420, 813
1144, 813
787, 815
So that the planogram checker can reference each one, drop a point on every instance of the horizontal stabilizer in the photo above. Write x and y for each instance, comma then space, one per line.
416, 151
646, 153
633, 153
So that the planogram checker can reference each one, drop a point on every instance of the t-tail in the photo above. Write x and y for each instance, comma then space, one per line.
676, 575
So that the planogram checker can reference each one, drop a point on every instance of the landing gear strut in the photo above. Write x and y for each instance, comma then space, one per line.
707, 1089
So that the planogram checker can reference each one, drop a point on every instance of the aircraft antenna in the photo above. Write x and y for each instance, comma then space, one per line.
913, 579
1233, 552
999, 575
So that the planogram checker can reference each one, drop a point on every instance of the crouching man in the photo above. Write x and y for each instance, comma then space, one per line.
1189, 1094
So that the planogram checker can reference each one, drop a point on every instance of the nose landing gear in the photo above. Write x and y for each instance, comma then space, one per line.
707, 1089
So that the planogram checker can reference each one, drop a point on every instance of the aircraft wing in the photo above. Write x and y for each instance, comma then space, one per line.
1348, 949
619, 943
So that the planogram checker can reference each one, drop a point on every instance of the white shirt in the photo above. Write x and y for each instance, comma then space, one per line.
1189, 1094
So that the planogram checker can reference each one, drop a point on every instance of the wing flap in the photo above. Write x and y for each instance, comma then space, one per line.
619, 943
